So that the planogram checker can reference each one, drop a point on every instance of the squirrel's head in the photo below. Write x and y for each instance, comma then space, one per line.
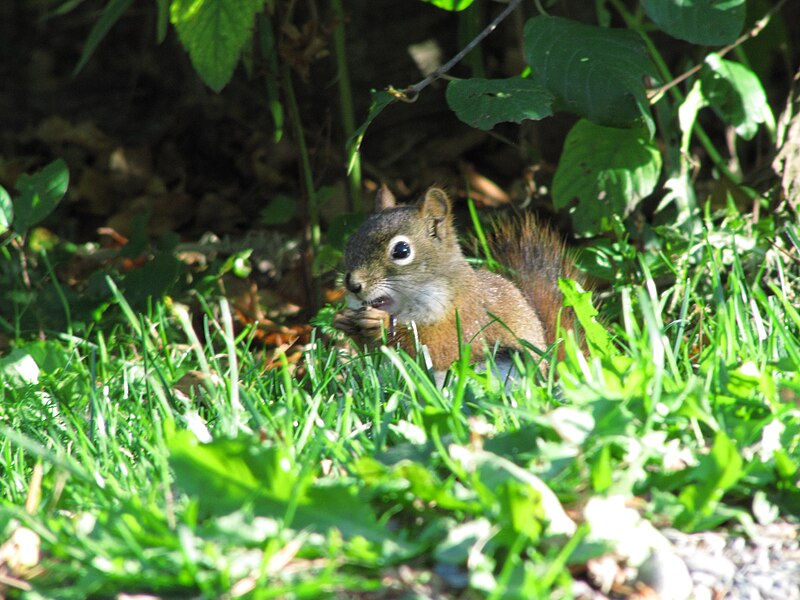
405, 260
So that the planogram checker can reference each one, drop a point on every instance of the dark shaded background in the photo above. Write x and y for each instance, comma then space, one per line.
139, 129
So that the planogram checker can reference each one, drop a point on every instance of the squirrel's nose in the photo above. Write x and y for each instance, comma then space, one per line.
351, 284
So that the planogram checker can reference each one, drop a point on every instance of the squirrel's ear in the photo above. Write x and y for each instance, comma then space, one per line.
384, 198
436, 207
435, 204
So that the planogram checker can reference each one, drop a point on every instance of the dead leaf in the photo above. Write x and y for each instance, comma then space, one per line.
56, 131
130, 169
192, 381
20, 552
301, 47
484, 191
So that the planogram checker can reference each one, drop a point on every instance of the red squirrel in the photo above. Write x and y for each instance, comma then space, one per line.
404, 265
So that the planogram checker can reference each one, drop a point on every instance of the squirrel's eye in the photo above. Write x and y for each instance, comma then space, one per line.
400, 250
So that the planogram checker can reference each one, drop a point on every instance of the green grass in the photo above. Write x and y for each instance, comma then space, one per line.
157, 459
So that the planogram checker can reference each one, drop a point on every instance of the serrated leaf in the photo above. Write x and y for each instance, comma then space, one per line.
453, 5
607, 170
595, 72
736, 94
6, 211
707, 22
39, 194
214, 33
483, 103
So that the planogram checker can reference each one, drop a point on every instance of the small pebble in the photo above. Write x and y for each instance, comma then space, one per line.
666, 573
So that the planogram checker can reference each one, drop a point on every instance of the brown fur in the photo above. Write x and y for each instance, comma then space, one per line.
482, 295
536, 258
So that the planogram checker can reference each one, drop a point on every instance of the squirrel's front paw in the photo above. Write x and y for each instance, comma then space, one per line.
362, 324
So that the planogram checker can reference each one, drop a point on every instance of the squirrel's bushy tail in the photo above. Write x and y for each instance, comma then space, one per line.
536, 257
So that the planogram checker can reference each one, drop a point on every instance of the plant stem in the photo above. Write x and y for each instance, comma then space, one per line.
312, 209
346, 102
410, 93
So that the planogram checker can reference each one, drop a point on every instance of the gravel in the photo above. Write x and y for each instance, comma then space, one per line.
765, 566
715, 565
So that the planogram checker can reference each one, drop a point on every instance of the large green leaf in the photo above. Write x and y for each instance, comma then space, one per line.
736, 94
39, 194
214, 33
595, 72
224, 475
707, 22
607, 170
483, 103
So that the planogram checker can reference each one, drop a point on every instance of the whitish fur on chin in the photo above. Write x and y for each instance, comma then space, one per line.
431, 303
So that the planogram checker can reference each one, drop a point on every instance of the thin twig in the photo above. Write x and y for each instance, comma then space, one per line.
411, 93
653, 95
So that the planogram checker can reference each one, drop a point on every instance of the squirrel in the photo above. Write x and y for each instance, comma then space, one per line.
404, 266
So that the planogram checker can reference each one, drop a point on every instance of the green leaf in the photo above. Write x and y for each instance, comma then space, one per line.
483, 103
461, 541
602, 470
6, 211
238, 264
736, 95
521, 509
597, 337
326, 260
110, 15
214, 33
595, 72
268, 46
716, 473
39, 193
453, 5
495, 471
226, 474
280, 210
608, 171
152, 280
50, 356
784, 465
162, 20
707, 22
